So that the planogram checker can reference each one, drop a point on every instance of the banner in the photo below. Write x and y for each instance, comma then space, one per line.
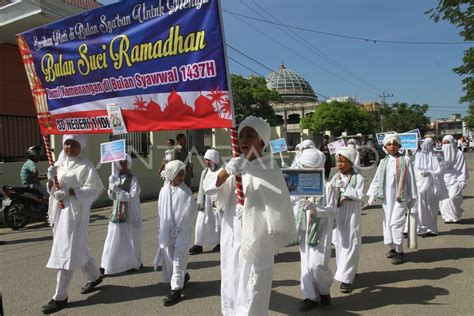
162, 62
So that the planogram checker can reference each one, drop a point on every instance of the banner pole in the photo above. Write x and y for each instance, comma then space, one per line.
235, 153
51, 163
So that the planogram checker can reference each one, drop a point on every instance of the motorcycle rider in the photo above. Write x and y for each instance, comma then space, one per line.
29, 173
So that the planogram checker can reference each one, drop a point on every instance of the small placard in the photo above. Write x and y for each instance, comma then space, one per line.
335, 145
278, 145
112, 151
304, 181
409, 141
439, 154
117, 124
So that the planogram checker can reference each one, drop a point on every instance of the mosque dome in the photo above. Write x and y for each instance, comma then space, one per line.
290, 85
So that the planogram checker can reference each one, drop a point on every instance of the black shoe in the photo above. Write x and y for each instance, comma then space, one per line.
187, 277
397, 258
391, 253
405, 235
307, 305
325, 301
133, 270
102, 271
346, 287
217, 248
89, 287
173, 298
53, 306
195, 250
429, 234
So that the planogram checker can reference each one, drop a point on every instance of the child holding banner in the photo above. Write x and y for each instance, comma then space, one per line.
314, 223
176, 209
207, 230
122, 248
348, 186
394, 184
251, 234
79, 186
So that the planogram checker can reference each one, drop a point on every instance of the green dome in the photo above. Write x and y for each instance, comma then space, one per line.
290, 85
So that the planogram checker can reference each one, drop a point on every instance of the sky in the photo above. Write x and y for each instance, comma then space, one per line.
337, 66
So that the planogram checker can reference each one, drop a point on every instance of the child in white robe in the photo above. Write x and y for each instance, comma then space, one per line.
207, 230
427, 172
252, 233
79, 186
176, 210
314, 223
455, 176
122, 248
348, 185
394, 184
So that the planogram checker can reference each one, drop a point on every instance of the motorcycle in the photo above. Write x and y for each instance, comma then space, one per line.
21, 204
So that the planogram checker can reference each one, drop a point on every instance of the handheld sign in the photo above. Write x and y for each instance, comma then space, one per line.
333, 146
304, 181
409, 141
112, 151
380, 137
279, 146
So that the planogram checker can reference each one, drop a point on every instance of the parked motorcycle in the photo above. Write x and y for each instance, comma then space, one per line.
21, 204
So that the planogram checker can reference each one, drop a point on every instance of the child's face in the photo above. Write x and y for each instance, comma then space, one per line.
179, 178
392, 147
123, 166
170, 144
250, 144
343, 164
209, 163
71, 148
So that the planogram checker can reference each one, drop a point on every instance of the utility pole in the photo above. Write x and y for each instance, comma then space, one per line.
383, 96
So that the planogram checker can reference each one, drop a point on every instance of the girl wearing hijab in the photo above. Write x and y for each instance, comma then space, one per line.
348, 186
314, 223
305, 144
427, 170
207, 230
176, 209
79, 186
122, 248
455, 176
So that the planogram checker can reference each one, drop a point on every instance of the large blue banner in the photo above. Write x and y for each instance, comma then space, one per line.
162, 62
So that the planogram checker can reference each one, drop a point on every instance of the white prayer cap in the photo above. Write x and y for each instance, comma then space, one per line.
259, 125
172, 169
449, 138
81, 139
349, 153
312, 158
307, 143
212, 155
392, 137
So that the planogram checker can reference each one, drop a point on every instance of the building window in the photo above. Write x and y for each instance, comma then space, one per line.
200, 139
137, 143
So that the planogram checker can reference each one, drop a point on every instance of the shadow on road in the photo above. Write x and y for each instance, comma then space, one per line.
459, 232
195, 265
288, 257
26, 240
196, 290
439, 254
371, 239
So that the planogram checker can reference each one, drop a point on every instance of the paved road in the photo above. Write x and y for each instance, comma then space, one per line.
437, 279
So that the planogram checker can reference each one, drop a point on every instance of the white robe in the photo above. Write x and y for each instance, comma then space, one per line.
207, 230
454, 173
316, 274
122, 248
246, 272
348, 230
70, 248
176, 210
427, 204
394, 211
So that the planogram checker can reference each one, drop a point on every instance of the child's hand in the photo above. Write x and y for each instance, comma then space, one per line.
372, 200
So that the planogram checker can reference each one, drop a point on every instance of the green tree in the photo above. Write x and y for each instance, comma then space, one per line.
339, 117
461, 14
252, 97
470, 116
401, 117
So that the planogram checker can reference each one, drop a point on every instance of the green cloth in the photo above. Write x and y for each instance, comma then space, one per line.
401, 176
120, 208
352, 183
312, 234
26, 173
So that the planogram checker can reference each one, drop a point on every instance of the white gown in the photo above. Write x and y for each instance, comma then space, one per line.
176, 211
122, 248
207, 230
394, 211
348, 230
70, 248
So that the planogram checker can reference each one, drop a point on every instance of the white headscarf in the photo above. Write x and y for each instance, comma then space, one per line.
116, 165
352, 143
305, 144
425, 158
212, 155
392, 137
350, 154
450, 151
172, 169
259, 125
311, 158
80, 138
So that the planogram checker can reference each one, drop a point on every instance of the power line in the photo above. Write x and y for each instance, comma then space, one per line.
248, 68
252, 59
365, 39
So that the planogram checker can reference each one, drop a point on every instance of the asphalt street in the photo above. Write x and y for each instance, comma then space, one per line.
436, 279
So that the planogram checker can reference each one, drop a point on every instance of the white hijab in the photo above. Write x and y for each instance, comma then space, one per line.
63, 158
311, 158
259, 125
425, 158
172, 169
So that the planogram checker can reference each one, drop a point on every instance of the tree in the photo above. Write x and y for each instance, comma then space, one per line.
252, 97
461, 14
401, 117
339, 117
470, 116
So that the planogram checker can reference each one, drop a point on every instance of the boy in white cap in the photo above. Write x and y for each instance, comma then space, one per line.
348, 186
207, 231
176, 209
394, 184
79, 186
314, 222
252, 233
